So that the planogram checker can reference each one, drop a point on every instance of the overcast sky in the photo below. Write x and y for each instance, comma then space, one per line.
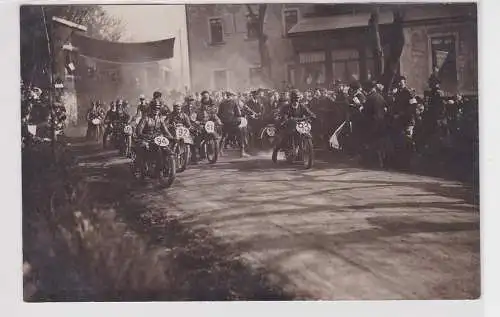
155, 22
149, 22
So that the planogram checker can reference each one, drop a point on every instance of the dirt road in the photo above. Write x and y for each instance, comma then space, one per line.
335, 232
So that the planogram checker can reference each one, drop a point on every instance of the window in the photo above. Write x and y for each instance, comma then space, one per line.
291, 75
345, 65
313, 68
255, 76
216, 31
370, 62
252, 27
220, 79
443, 57
290, 18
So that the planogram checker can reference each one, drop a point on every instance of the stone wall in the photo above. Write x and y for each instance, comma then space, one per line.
416, 60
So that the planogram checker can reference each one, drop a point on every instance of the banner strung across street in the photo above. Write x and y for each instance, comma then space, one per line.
120, 52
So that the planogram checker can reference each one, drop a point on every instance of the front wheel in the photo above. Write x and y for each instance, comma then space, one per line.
166, 170
212, 150
184, 155
127, 146
307, 152
275, 155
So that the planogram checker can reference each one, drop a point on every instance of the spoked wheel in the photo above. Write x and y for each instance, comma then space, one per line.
212, 150
307, 152
166, 171
127, 147
136, 171
183, 156
290, 155
275, 155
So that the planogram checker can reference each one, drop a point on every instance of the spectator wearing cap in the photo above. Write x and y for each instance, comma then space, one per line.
190, 108
142, 106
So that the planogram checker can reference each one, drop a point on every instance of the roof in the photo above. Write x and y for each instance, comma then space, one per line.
412, 14
337, 22
70, 24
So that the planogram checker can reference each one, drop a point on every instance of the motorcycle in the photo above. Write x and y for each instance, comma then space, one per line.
230, 137
209, 147
299, 146
126, 143
267, 136
97, 123
159, 162
182, 147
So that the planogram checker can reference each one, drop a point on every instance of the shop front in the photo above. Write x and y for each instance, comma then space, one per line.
326, 54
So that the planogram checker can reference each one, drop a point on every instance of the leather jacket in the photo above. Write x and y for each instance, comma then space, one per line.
152, 125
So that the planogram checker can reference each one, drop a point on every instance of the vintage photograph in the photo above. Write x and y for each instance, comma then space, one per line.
250, 152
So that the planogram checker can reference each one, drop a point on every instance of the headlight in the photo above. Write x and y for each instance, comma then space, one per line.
161, 141
96, 121
303, 127
243, 122
127, 130
210, 127
271, 131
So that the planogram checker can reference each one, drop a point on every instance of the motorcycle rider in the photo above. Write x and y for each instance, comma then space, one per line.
255, 103
142, 107
208, 102
189, 107
96, 112
149, 127
203, 115
230, 114
177, 117
157, 98
290, 113
116, 118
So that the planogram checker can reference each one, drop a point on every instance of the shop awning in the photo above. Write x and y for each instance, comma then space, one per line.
331, 23
120, 52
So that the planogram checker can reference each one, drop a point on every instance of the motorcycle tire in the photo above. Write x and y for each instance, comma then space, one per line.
166, 170
184, 156
211, 150
275, 155
307, 152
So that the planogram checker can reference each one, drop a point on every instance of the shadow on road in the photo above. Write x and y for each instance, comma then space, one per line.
205, 269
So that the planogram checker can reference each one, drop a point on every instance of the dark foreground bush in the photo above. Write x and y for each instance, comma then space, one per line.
75, 249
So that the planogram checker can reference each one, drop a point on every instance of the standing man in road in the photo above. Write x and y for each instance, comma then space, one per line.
230, 115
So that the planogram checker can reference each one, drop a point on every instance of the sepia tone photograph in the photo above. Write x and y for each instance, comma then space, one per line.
250, 152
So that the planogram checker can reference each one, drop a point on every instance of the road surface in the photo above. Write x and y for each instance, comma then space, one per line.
334, 232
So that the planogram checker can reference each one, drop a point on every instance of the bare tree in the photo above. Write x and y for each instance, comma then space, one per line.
386, 67
34, 56
395, 50
262, 38
376, 46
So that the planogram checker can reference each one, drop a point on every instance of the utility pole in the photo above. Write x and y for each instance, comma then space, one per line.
51, 85
182, 59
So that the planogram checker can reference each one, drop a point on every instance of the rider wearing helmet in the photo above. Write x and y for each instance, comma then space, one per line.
142, 107
150, 126
230, 115
189, 107
115, 118
203, 114
177, 117
290, 113
157, 98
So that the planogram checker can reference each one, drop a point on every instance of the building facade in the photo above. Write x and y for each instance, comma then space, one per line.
223, 48
314, 45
